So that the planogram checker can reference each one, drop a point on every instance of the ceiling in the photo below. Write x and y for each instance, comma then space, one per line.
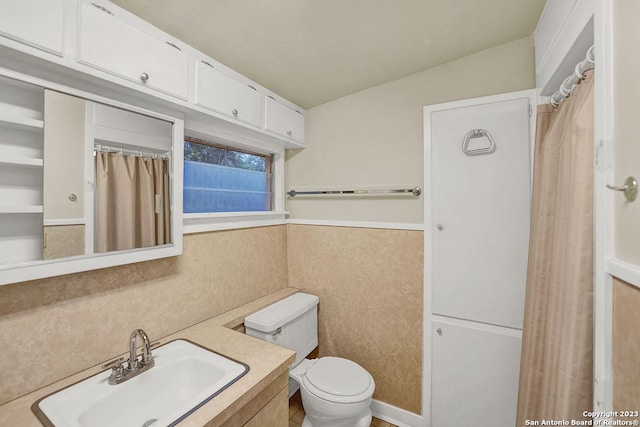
312, 52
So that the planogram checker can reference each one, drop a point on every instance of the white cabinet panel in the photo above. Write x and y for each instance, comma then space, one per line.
110, 44
226, 95
283, 120
38, 23
480, 213
475, 373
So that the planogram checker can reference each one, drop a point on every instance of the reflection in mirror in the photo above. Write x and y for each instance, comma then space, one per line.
127, 154
80, 178
63, 186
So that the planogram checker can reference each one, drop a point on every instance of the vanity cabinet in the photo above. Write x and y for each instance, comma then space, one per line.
37, 23
284, 121
111, 44
21, 164
224, 94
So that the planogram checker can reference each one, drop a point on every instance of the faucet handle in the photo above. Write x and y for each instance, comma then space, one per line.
115, 364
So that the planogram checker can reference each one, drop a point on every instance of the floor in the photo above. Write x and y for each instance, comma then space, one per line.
296, 414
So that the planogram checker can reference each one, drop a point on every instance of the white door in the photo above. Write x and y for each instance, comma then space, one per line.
477, 201
110, 44
38, 23
224, 94
480, 211
475, 376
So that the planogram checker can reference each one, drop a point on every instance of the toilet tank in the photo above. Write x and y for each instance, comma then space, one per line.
291, 323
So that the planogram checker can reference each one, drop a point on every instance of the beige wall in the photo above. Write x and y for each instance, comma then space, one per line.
370, 286
626, 346
374, 138
53, 327
626, 130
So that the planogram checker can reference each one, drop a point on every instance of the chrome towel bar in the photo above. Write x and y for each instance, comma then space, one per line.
415, 191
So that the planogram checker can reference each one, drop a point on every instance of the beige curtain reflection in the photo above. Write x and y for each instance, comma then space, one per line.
127, 188
557, 341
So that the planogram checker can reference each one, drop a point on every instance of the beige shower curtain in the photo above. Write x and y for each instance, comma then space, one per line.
132, 202
556, 372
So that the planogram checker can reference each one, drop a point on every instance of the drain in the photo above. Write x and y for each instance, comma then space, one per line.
150, 422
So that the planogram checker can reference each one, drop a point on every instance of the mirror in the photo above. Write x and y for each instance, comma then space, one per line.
84, 184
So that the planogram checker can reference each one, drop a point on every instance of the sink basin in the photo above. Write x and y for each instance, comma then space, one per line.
185, 377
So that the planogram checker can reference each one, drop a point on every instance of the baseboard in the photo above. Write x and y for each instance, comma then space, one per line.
395, 415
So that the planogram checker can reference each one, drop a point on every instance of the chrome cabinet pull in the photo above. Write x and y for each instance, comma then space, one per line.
289, 133
173, 45
207, 63
630, 188
104, 9
235, 113
144, 77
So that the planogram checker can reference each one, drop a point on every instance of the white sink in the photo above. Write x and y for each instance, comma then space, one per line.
185, 377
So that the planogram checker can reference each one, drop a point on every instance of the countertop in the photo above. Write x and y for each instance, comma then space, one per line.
266, 363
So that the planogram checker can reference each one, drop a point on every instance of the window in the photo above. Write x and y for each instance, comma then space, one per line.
224, 179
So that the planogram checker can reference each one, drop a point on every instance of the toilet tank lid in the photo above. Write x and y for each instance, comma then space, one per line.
280, 313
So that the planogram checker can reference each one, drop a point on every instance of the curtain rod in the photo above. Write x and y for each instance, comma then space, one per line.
416, 191
570, 82
123, 151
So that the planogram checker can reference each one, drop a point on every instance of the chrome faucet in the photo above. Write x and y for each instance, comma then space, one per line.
135, 365
147, 358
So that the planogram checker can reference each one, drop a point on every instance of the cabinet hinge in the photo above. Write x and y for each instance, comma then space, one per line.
173, 45
104, 9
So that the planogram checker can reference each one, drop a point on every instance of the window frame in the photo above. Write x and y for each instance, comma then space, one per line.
213, 221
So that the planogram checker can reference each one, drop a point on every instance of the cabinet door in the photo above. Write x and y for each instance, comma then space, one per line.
223, 94
112, 45
475, 371
480, 211
283, 120
37, 23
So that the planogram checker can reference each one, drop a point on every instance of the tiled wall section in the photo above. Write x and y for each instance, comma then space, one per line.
626, 346
370, 286
54, 327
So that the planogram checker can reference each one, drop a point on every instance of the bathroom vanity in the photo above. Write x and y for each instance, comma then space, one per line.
259, 398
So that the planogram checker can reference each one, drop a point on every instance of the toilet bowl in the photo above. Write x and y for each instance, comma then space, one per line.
336, 392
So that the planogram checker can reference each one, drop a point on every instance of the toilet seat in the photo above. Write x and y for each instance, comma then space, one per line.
338, 380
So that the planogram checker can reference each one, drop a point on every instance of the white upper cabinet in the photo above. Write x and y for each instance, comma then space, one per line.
37, 23
110, 44
283, 120
221, 93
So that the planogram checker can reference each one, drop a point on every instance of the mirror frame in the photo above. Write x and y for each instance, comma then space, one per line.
40, 269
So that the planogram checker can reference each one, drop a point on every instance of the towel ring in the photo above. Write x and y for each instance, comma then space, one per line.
478, 133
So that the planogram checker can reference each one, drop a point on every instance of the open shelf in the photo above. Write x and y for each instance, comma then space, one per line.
21, 209
21, 122
21, 161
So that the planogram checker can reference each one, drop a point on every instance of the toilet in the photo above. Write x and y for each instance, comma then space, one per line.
336, 392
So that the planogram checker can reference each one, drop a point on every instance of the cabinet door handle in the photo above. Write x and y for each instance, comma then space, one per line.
144, 77
289, 133
173, 45
235, 113
104, 9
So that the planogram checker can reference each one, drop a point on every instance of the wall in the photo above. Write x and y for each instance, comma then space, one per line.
626, 297
370, 280
54, 327
374, 138
626, 346
370, 286
626, 131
